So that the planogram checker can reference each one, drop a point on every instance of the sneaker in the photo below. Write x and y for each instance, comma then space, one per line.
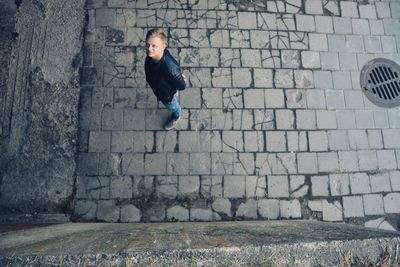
171, 123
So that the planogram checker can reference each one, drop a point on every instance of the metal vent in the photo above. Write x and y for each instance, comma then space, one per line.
380, 82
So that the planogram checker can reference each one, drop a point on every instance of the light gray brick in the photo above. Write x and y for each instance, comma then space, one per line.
220, 38
132, 164
386, 159
332, 211
167, 186
342, 25
212, 97
323, 79
275, 141
328, 162
348, 161
256, 186
395, 180
283, 78
375, 139
373, 204
303, 79
359, 183
305, 119
364, 119
290, 59
297, 141
295, 98
310, 59
358, 139
222, 205
134, 119
320, 186
341, 80
391, 203
307, 163
326, 119
394, 117
188, 185
353, 206
316, 99
360, 26
314, 7
112, 119
382, 9
221, 77
122, 141
99, 141
253, 141
108, 211
130, 213
339, 184
199, 163
268, 208
263, 78
329, 61
354, 100
248, 209
121, 187
290, 208
189, 141
232, 141
349, 9
155, 163
250, 58
392, 26
367, 160
388, 44
372, 44
105, 17
305, 23
318, 140
348, 61
354, 44
234, 186
278, 186
241, 77
259, 39
318, 42
253, 98
391, 137
92, 187
200, 214
379, 223
367, 11
177, 163
380, 182
178, 213
297, 187
338, 140
274, 98
324, 24
240, 39
337, 43
376, 27
247, 20
208, 57
284, 119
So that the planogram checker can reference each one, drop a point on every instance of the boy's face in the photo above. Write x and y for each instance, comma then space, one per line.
155, 48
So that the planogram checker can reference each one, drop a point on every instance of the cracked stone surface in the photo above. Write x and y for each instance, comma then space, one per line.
274, 123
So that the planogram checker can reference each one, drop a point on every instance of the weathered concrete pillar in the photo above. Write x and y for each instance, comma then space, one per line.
41, 55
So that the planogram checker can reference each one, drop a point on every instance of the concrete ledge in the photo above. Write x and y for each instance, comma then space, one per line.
224, 243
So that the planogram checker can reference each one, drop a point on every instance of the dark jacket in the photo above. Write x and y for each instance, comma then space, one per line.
164, 77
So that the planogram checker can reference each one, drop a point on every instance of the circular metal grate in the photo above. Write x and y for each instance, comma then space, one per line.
380, 82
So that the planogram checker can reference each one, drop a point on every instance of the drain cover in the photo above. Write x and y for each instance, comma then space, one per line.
380, 82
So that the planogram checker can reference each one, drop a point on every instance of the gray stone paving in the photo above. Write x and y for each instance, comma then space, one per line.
274, 121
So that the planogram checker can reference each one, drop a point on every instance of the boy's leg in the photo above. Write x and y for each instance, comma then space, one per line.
176, 110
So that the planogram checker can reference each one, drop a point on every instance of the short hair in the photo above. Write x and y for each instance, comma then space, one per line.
157, 32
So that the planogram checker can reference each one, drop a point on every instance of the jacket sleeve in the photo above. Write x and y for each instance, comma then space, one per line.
176, 79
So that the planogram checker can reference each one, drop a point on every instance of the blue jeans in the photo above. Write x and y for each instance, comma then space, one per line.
173, 107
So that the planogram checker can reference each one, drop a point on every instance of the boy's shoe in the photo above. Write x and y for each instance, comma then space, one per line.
171, 123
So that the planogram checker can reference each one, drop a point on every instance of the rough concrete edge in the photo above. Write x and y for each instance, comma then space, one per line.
38, 218
294, 254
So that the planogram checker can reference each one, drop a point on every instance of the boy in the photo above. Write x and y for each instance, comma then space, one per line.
163, 74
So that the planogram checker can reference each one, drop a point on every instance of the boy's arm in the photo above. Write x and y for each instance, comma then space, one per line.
176, 79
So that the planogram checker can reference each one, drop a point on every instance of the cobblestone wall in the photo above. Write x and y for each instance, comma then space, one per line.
274, 125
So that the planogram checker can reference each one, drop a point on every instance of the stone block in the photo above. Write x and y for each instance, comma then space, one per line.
318, 140
348, 161
395, 180
234, 186
253, 141
290, 209
354, 44
121, 141
259, 39
367, 160
178, 163
380, 223
391, 203
167, 186
367, 11
328, 162
112, 119
121, 187
222, 205
283, 78
85, 209
108, 211
359, 183
358, 139
353, 206
310, 59
250, 58
373, 204
391, 26
212, 97
376, 27
253, 98
134, 119
189, 141
189, 185
305, 119
335, 100
305, 23
303, 79
275, 141
99, 141
326, 119
386, 159
241, 77
339, 184
354, 100
197, 214
240, 39
178, 213
248, 209
364, 119
342, 25
155, 164
263, 78
232, 141
269, 208
298, 188
318, 42
323, 79
278, 186
390, 138
337, 43
341, 80
324, 24
382, 9
316, 99
284, 119
199, 163
274, 98
307, 163
332, 212
130, 213
380, 182
346, 119
211, 186
349, 9
290, 59
360, 26
329, 61
372, 44
314, 7
338, 140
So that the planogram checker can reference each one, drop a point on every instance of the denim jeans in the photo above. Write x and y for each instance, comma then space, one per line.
173, 107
